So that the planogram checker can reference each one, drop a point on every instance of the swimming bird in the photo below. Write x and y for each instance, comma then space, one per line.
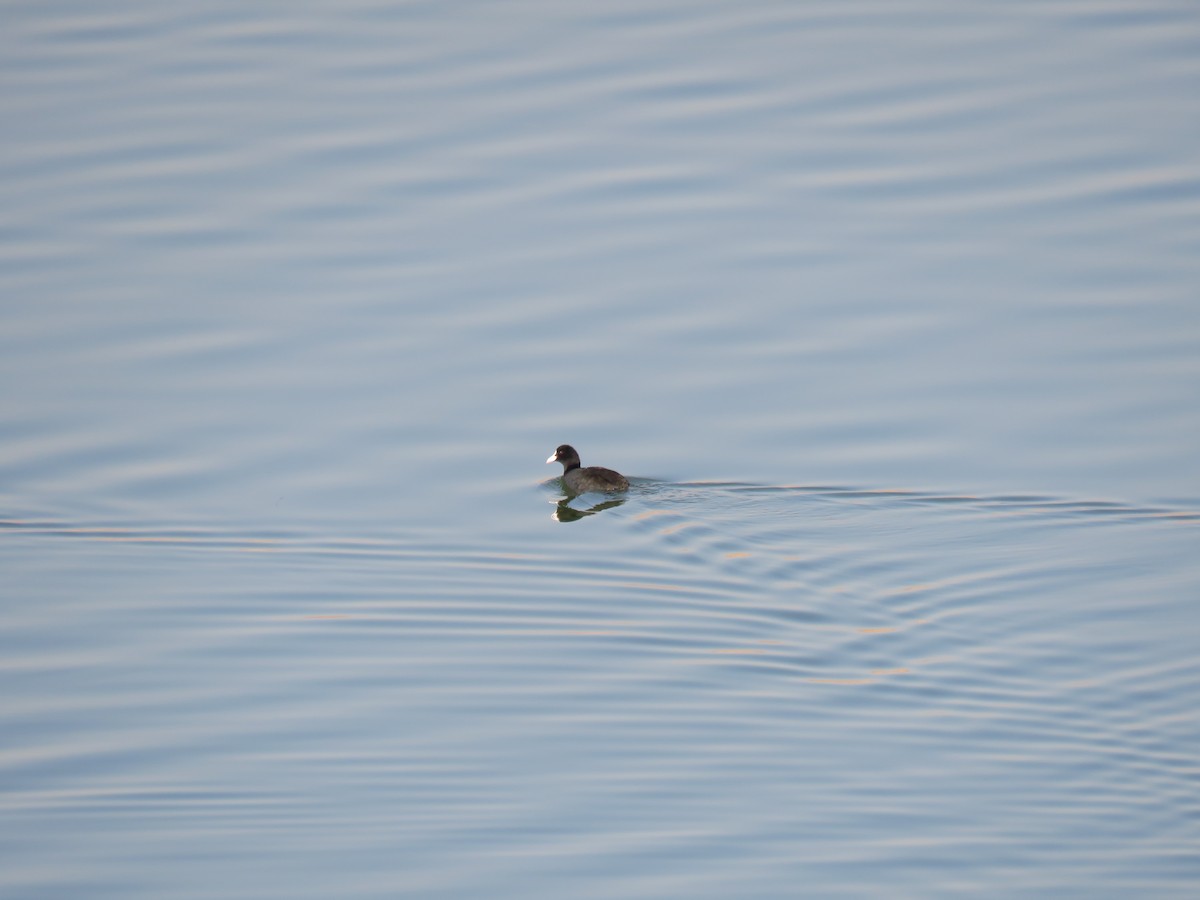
579, 480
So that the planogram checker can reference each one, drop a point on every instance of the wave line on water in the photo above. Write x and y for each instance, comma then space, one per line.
1029, 503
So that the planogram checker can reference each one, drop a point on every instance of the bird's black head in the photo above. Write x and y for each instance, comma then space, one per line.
565, 454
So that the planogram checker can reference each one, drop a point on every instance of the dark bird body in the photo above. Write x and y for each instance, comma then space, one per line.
580, 480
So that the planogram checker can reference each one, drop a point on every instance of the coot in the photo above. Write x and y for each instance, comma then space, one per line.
579, 480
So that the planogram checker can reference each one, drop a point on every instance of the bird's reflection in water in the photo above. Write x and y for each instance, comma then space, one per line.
563, 512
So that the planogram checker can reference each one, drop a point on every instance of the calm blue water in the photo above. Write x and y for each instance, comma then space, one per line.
890, 311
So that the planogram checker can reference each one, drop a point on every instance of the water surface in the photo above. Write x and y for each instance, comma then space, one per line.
889, 312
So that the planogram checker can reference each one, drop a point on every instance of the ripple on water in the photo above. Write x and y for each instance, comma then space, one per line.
818, 673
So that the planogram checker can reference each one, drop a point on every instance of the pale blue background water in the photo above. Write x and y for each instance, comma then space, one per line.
890, 310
